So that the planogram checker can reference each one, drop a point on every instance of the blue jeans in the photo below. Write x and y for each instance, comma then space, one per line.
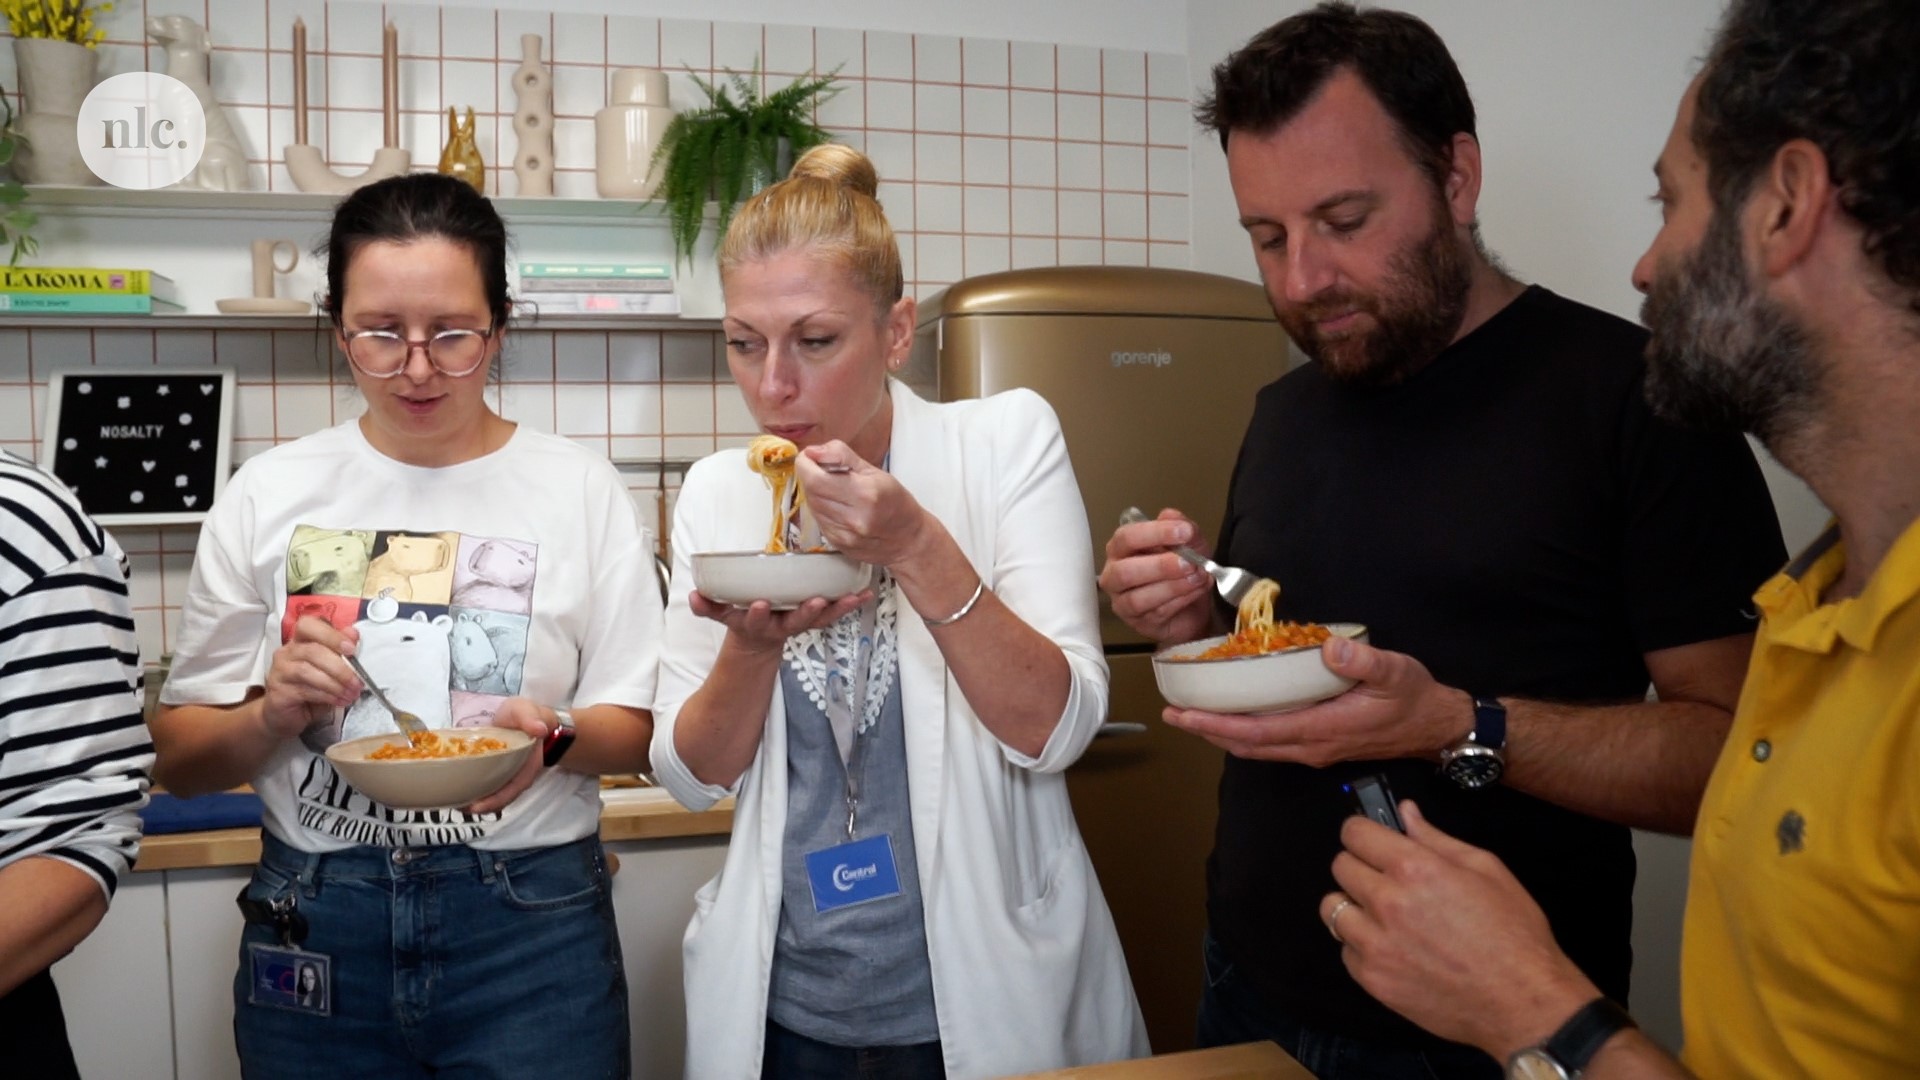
446, 962
1233, 1012
792, 1056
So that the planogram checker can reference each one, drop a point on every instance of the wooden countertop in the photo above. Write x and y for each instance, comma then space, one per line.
628, 814
1248, 1061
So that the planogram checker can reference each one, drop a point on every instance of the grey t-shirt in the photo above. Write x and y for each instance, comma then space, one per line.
857, 975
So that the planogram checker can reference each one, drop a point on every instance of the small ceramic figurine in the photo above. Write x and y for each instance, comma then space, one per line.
223, 164
461, 157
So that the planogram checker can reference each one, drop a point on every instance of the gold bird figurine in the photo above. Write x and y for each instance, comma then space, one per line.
461, 157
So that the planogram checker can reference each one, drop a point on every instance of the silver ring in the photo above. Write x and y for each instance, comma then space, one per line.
1333, 918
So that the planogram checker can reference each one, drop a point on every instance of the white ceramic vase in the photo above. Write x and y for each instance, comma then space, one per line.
55, 77
533, 121
627, 131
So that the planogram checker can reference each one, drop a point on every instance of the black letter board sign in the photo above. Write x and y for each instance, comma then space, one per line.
140, 447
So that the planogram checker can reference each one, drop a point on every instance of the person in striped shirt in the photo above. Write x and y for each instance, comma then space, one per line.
75, 756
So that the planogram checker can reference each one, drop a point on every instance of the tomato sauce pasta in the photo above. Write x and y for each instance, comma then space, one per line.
434, 744
1256, 633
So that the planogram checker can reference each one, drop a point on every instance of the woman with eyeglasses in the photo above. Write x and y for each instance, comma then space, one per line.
484, 574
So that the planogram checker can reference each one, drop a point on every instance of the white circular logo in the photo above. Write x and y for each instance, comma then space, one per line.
142, 130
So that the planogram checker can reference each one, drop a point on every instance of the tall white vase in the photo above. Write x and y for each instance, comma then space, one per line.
533, 120
627, 131
55, 77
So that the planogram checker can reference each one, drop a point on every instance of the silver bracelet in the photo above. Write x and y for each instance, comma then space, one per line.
964, 608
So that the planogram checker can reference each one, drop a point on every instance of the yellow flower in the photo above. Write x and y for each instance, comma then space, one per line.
57, 20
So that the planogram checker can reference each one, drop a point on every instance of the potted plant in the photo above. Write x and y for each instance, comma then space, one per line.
54, 44
16, 220
737, 143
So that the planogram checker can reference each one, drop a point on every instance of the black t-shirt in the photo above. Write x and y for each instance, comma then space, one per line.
1514, 517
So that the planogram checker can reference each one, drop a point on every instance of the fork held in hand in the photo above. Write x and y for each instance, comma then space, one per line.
1231, 581
403, 719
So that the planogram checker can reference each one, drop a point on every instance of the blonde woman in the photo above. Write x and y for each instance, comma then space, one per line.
914, 733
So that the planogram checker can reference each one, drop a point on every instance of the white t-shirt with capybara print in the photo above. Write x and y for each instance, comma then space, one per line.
525, 572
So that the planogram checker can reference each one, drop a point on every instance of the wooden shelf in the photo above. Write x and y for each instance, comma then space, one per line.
316, 322
283, 205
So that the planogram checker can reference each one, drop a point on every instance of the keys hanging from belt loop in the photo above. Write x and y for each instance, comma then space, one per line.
280, 914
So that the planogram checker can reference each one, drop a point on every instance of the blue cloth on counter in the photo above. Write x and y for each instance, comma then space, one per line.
224, 810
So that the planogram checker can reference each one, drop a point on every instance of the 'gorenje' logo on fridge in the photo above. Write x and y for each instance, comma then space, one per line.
1157, 358
845, 877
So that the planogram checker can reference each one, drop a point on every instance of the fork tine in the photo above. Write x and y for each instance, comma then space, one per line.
1239, 582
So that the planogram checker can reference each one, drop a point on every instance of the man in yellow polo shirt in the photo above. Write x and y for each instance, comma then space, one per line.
1802, 946
1784, 297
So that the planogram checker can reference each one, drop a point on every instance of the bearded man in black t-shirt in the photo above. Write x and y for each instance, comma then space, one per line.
1469, 468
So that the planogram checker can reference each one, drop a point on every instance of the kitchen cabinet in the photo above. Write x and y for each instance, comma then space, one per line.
116, 988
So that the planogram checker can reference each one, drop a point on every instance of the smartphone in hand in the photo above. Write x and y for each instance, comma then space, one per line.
1372, 798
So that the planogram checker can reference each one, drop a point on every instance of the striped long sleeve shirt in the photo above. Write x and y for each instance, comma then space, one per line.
75, 755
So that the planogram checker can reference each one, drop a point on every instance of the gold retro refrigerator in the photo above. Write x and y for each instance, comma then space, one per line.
1153, 373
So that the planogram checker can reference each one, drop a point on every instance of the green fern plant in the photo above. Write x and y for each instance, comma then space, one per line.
16, 220
730, 148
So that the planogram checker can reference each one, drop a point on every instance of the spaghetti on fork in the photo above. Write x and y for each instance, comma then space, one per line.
772, 457
1255, 633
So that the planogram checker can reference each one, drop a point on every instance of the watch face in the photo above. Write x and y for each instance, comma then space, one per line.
1534, 1065
1475, 766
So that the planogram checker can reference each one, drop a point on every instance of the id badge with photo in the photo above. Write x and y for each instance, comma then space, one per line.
853, 873
281, 977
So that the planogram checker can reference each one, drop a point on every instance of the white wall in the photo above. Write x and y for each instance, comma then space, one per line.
1574, 100
1146, 25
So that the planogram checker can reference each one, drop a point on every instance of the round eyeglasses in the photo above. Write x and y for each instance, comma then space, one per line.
384, 354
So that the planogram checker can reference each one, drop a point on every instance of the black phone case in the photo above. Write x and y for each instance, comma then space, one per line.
1372, 798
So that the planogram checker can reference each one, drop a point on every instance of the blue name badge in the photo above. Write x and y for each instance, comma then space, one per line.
853, 873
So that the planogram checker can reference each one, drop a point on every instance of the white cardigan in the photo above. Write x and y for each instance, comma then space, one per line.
1027, 968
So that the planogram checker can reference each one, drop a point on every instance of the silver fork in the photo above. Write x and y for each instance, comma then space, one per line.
405, 720
1231, 581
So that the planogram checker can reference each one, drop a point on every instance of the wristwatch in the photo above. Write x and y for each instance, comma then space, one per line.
559, 737
1480, 758
1568, 1052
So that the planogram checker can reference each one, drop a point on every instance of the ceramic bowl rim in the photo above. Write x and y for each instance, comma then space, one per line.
1351, 631
332, 754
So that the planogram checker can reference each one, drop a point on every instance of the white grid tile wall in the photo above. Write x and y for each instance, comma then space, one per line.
637, 397
993, 155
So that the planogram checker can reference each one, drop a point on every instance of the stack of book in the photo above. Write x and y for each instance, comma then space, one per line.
86, 290
598, 289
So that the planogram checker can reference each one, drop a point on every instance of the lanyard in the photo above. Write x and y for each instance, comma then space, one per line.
856, 769
855, 703
847, 709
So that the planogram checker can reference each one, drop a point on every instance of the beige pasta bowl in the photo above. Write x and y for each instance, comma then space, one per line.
431, 782
1267, 683
784, 581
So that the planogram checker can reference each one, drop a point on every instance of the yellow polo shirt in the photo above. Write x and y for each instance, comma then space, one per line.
1801, 955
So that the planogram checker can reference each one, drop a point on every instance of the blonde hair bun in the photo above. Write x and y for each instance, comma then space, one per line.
841, 165
827, 204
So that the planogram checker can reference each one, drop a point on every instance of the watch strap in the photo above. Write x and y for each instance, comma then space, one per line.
1582, 1036
1489, 722
559, 738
